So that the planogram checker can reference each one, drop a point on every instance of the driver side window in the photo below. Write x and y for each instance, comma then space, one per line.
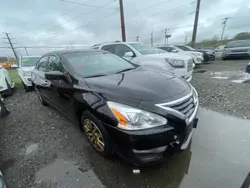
55, 64
121, 49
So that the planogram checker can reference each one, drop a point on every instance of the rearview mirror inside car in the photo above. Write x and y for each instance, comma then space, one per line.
129, 54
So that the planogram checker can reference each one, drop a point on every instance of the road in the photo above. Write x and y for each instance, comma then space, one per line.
41, 148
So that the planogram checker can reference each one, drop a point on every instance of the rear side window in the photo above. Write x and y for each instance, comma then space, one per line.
110, 48
42, 65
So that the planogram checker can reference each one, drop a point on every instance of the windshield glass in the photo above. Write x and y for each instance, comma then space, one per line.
185, 48
144, 49
29, 61
239, 43
97, 64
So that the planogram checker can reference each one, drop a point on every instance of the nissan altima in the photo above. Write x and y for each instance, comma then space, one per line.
123, 108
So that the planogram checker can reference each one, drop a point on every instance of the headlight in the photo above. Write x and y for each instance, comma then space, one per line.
130, 118
176, 63
194, 54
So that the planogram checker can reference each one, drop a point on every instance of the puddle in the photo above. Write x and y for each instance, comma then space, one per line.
31, 148
233, 76
65, 174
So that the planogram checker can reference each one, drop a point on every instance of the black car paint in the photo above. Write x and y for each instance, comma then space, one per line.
141, 88
208, 54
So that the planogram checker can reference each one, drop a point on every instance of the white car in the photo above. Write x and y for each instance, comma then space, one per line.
6, 84
26, 65
141, 54
197, 56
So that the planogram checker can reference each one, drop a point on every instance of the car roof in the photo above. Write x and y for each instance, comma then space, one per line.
61, 52
116, 42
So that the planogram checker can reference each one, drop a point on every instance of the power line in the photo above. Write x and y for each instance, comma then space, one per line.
162, 12
96, 21
88, 5
74, 18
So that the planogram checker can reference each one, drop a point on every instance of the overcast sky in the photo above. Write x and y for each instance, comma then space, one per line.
53, 22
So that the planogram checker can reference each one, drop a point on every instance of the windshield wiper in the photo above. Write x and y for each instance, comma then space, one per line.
128, 69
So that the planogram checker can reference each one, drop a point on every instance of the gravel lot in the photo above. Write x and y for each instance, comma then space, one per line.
33, 136
222, 95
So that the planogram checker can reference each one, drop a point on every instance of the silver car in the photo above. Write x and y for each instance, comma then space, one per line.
236, 49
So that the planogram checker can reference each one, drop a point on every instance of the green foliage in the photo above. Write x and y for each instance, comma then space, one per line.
215, 41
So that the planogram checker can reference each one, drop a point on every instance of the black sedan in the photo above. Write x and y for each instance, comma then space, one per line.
209, 54
140, 114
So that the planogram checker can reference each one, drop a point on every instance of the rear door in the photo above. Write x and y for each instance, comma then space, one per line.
38, 77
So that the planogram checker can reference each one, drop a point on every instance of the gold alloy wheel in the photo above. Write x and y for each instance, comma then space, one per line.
94, 134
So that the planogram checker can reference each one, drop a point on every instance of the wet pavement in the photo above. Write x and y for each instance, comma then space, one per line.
219, 157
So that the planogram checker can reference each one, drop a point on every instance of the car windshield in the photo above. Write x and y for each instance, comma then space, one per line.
240, 43
29, 61
97, 64
144, 49
185, 48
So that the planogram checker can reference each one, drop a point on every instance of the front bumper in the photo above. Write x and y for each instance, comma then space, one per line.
198, 60
209, 57
146, 147
26, 80
235, 55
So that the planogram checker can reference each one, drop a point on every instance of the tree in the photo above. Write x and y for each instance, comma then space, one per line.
242, 36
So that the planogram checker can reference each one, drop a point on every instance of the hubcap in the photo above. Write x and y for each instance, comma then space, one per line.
94, 134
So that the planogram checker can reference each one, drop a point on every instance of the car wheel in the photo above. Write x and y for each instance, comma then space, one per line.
40, 97
26, 88
9, 90
96, 134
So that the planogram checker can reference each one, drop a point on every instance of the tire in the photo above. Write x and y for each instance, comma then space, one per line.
26, 88
42, 101
9, 89
105, 149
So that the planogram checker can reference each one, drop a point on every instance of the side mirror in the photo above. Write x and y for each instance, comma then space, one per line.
129, 54
55, 75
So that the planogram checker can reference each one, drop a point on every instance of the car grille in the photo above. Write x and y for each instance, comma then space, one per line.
185, 106
190, 64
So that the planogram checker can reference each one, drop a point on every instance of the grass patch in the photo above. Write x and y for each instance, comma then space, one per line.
15, 77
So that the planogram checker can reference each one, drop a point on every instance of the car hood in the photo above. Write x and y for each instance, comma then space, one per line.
141, 84
170, 55
27, 69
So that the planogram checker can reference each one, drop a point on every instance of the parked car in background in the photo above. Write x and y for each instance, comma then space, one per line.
236, 49
208, 53
26, 65
218, 51
5, 62
4, 110
122, 108
197, 56
139, 53
6, 84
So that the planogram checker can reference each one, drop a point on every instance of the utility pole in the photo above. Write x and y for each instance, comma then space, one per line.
137, 38
224, 23
152, 39
166, 36
195, 23
123, 30
11, 45
26, 51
